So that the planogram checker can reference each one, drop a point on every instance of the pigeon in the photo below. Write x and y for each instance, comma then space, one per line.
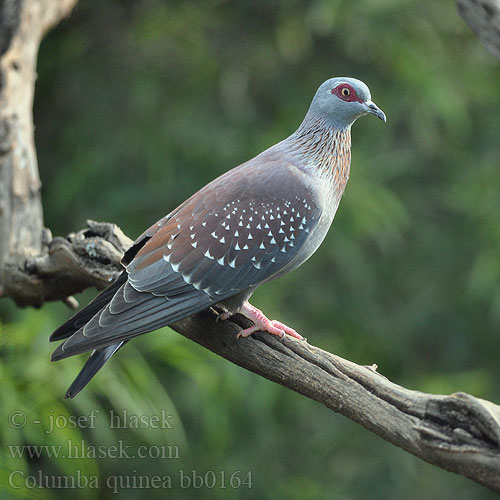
251, 225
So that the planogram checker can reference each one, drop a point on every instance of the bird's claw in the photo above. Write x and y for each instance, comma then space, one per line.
286, 330
247, 332
261, 323
223, 316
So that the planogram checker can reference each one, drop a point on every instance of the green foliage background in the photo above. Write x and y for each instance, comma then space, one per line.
140, 103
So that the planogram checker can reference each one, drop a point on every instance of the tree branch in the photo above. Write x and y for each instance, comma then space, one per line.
65, 266
459, 432
483, 17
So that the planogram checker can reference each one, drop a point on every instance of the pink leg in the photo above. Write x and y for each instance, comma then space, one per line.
262, 324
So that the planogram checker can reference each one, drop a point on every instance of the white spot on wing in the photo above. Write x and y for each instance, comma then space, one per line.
196, 285
256, 264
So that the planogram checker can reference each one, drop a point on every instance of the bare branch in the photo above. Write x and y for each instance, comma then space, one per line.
65, 266
483, 17
459, 433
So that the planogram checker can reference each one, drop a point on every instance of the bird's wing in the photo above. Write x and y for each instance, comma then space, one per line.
237, 232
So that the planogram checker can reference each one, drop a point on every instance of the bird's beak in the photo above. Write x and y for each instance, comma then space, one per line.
373, 109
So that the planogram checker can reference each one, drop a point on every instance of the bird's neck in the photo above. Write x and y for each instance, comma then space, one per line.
324, 150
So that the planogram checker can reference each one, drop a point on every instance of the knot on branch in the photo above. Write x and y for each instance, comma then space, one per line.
461, 421
90, 257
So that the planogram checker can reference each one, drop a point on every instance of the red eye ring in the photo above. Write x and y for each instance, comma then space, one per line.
346, 92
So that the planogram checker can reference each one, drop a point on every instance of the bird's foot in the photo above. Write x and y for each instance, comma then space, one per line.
263, 324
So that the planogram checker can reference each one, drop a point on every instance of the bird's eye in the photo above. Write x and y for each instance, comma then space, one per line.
345, 92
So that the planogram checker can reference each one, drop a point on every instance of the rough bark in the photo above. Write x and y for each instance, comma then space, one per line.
483, 17
88, 258
458, 432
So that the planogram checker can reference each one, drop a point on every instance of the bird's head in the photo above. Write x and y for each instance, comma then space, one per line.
341, 101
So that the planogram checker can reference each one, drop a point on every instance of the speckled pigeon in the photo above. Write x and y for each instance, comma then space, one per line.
251, 225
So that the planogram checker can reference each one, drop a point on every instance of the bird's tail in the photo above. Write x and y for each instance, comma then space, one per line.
88, 312
99, 357
92, 366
